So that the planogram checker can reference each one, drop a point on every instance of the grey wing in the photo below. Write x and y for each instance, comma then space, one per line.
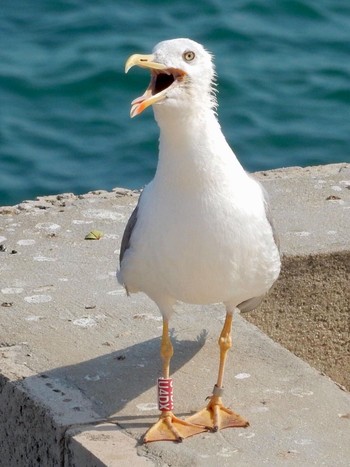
127, 233
254, 302
250, 304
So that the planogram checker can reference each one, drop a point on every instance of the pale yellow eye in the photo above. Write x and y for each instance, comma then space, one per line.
189, 56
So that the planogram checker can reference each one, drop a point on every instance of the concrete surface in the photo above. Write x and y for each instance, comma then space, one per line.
309, 311
79, 359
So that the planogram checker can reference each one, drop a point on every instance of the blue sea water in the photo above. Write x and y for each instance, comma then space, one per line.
283, 78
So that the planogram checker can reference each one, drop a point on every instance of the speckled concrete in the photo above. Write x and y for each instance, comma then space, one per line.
79, 359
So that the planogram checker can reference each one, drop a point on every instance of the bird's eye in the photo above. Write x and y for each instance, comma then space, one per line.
188, 56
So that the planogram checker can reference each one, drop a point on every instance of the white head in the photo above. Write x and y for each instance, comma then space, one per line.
182, 76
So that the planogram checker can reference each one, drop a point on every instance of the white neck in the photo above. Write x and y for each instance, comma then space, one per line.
193, 151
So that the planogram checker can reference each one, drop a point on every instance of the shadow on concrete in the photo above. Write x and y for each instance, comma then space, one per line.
113, 380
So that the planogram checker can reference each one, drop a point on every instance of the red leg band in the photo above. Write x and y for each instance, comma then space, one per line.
165, 394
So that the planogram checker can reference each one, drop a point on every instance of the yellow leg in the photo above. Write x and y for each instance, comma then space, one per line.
215, 415
225, 343
169, 427
166, 349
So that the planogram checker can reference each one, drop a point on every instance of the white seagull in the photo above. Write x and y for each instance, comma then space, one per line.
201, 232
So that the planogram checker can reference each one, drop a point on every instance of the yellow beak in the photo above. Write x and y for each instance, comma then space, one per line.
141, 103
150, 96
143, 61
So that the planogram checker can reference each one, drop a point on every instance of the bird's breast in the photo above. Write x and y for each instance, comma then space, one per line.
203, 248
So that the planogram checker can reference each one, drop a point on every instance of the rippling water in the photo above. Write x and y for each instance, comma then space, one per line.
284, 95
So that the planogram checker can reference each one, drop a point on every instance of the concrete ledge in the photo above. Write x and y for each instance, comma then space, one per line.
79, 360
309, 311
102, 445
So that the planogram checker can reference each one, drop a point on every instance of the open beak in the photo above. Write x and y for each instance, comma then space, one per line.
162, 79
